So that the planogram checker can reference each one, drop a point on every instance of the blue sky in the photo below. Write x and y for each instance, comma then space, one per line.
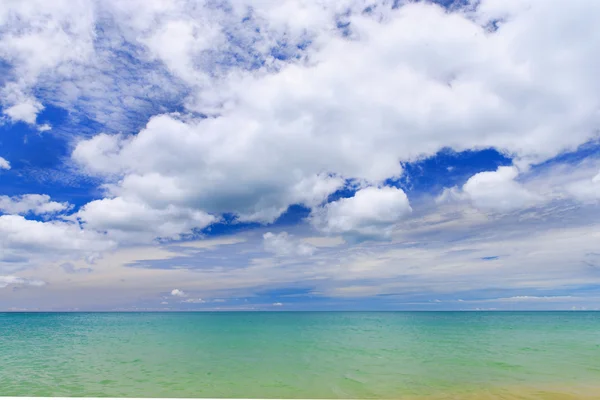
312, 155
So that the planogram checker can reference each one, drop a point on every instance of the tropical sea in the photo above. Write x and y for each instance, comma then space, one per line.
412, 355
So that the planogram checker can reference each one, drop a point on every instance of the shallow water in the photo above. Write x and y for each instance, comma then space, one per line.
504, 355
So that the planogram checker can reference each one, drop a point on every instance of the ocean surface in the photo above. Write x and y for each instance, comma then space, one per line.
421, 355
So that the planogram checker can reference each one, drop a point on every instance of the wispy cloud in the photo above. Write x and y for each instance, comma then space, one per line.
11, 280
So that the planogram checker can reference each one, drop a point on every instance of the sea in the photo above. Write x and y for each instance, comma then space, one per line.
308, 355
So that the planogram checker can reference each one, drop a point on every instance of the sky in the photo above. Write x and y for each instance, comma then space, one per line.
285, 155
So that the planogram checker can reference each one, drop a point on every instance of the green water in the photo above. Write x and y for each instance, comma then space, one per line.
296, 355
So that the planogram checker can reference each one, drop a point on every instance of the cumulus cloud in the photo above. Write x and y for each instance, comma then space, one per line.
26, 111
131, 221
178, 293
494, 191
4, 164
11, 280
39, 204
470, 86
25, 233
371, 213
99, 155
35, 242
283, 244
278, 106
205, 169
414, 91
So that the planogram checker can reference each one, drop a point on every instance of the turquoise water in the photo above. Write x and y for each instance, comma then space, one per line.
300, 355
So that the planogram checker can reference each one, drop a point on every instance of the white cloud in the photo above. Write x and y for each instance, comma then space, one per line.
26, 111
178, 293
278, 304
585, 190
39, 243
39, 204
372, 213
454, 261
42, 40
58, 235
74, 51
414, 90
4, 164
178, 42
44, 127
194, 301
129, 220
494, 191
445, 256
472, 88
100, 153
283, 244
237, 175
400, 86
11, 280
23, 108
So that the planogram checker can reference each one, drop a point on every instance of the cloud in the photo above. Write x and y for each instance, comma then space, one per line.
436, 255
44, 127
371, 213
279, 106
39, 243
585, 190
494, 191
42, 41
26, 111
130, 221
528, 264
465, 79
88, 57
278, 304
69, 268
535, 298
38, 204
194, 301
324, 241
415, 90
178, 293
99, 155
237, 178
284, 245
11, 280
210, 244
4, 164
